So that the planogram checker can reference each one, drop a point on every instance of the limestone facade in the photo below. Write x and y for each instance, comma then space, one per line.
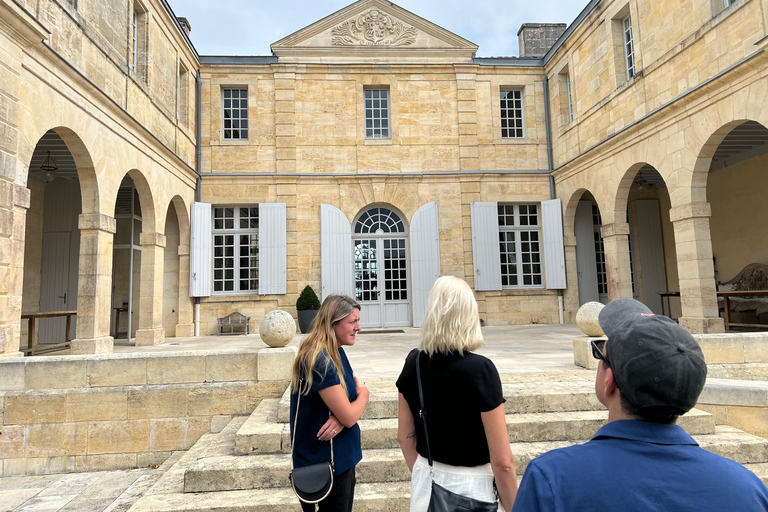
640, 100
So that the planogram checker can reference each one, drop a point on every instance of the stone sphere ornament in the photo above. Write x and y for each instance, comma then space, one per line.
277, 328
586, 319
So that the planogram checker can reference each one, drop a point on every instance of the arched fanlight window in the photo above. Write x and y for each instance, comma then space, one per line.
379, 221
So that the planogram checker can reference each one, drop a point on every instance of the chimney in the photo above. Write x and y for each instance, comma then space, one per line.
535, 39
184, 22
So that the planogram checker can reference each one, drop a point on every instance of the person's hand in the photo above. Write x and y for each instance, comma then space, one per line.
363, 393
330, 429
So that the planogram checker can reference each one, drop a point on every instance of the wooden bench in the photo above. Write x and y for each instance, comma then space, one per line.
234, 323
32, 346
746, 292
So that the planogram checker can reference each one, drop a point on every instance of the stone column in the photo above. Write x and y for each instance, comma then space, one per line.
696, 270
94, 285
617, 268
14, 202
571, 293
186, 327
151, 331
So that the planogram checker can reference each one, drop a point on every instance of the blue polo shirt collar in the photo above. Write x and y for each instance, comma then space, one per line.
646, 432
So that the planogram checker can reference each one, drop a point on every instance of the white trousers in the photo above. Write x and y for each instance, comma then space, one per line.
472, 482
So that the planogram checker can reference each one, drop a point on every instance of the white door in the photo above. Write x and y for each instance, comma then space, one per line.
381, 269
586, 261
652, 268
54, 287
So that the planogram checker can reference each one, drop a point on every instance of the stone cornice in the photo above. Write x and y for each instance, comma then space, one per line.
20, 24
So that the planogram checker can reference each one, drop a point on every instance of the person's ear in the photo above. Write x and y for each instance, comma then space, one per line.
609, 384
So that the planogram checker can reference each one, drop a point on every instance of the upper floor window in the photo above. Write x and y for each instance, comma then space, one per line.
236, 249
520, 245
235, 114
139, 41
377, 113
183, 95
570, 98
629, 46
512, 113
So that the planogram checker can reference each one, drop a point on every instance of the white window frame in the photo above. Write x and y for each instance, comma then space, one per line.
513, 114
570, 99
377, 113
629, 46
228, 105
235, 230
602, 273
521, 225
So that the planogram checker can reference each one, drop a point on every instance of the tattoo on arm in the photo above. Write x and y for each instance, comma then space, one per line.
411, 435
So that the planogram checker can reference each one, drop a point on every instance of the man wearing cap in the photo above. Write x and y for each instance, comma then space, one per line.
651, 371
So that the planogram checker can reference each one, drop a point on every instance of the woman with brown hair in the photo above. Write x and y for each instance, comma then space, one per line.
332, 401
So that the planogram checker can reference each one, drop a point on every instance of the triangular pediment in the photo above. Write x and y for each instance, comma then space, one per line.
376, 31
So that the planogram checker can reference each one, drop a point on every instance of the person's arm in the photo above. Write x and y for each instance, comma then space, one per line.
406, 431
348, 413
502, 461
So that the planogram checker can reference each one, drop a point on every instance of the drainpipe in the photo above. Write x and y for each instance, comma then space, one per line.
198, 169
550, 167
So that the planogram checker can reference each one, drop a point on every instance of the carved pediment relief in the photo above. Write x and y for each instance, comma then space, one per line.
373, 31
373, 28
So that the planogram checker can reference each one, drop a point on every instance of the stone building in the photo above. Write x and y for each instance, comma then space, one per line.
623, 155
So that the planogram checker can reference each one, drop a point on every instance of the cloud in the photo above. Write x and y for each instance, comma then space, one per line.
240, 27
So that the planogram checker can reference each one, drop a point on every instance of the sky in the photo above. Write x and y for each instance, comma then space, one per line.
248, 27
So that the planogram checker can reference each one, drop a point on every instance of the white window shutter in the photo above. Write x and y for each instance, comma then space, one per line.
554, 250
425, 258
485, 246
336, 259
200, 258
272, 249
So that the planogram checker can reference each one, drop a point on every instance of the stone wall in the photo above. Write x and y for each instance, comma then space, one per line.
90, 413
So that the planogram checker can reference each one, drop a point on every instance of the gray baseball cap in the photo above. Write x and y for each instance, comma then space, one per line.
655, 362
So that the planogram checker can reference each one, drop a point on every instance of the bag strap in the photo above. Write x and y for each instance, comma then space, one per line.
295, 422
422, 411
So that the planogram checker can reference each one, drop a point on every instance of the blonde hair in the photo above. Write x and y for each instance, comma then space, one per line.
452, 323
322, 338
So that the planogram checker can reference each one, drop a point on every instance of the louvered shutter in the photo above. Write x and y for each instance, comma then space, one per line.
485, 246
200, 260
272, 249
554, 251
336, 258
425, 258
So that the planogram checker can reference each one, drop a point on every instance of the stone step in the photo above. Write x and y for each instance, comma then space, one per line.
381, 497
521, 398
260, 435
760, 469
387, 465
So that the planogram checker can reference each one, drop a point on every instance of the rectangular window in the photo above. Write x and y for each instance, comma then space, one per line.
512, 113
139, 42
236, 249
629, 47
570, 99
520, 245
183, 95
235, 114
602, 275
376, 113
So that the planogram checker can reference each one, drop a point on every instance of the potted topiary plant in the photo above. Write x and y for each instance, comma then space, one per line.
307, 305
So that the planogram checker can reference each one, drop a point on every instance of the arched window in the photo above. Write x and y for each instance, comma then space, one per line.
379, 221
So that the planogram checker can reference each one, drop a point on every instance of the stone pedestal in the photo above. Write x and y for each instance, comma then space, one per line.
149, 337
185, 330
582, 352
276, 363
103, 345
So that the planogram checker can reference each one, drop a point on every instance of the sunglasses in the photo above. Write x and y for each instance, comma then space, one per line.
597, 351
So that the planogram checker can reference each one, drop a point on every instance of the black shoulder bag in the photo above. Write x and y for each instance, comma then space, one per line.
441, 499
311, 484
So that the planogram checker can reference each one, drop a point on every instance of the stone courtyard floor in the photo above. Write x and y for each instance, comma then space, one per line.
376, 355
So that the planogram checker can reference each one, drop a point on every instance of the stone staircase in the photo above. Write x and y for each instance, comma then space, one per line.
245, 467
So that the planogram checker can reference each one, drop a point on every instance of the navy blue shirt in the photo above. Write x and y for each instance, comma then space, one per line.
639, 466
313, 413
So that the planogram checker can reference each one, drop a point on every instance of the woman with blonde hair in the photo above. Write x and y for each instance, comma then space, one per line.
464, 404
332, 401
